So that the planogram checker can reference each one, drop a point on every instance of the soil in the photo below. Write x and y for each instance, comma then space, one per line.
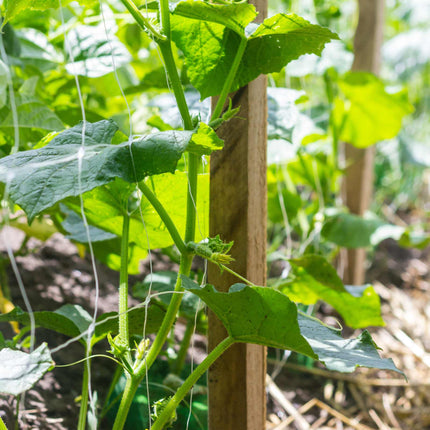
54, 274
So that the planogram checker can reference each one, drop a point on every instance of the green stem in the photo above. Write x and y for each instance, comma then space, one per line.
84, 396
165, 17
227, 269
123, 286
142, 21
170, 408
182, 353
18, 400
176, 84
130, 389
190, 226
229, 80
164, 216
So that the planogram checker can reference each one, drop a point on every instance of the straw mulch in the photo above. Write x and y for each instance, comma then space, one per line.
369, 399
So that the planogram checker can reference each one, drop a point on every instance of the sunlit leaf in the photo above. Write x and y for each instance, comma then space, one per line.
313, 279
368, 113
19, 370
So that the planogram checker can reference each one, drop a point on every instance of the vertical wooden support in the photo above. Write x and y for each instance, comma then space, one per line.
236, 381
359, 176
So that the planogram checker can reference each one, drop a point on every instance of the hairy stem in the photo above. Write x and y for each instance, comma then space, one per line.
123, 286
84, 396
170, 408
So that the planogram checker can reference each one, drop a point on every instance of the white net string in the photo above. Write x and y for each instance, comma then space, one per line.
81, 154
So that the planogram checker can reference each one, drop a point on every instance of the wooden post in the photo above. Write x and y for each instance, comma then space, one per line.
359, 175
236, 381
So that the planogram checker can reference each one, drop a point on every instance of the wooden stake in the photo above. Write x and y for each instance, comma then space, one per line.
236, 381
359, 176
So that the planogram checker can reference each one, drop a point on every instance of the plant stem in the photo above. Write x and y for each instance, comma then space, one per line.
227, 269
190, 226
129, 391
229, 80
18, 400
142, 21
185, 343
175, 82
170, 408
123, 286
84, 396
156, 204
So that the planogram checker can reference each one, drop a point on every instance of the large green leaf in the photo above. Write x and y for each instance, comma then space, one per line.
235, 16
369, 113
210, 48
104, 208
254, 315
342, 355
264, 316
313, 279
353, 231
279, 40
65, 167
19, 370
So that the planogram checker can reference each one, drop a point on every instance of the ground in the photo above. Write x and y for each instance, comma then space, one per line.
300, 396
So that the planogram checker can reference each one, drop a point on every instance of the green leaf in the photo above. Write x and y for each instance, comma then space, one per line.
313, 279
73, 320
104, 208
19, 371
63, 168
264, 316
255, 315
205, 141
235, 16
412, 239
210, 48
279, 40
369, 113
70, 320
14, 7
342, 355
32, 113
352, 231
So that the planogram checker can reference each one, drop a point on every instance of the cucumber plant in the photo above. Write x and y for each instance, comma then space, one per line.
139, 192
